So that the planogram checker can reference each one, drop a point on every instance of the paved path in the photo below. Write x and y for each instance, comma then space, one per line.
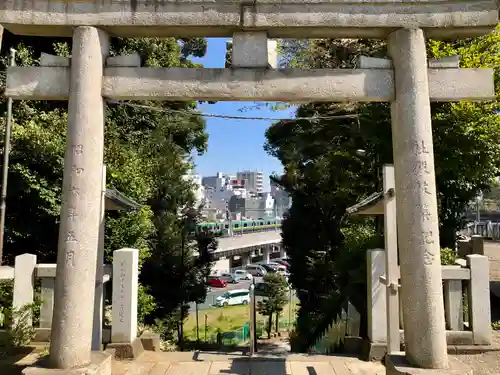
192, 363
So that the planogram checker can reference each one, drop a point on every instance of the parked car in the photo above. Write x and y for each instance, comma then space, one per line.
283, 262
231, 279
277, 266
268, 267
256, 270
261, 289
233, 297
243, 275
216, 282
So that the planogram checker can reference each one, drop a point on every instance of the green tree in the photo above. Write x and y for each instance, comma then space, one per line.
275, 300
148, 148
324, 173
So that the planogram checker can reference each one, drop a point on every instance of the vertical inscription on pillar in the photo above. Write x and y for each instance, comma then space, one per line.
427, 238
72, 211
74, 190
77, 171
422, 171
428, 257
420, 147
420, 167
123, 275
424, 187
426, 213
78, 149
71, 240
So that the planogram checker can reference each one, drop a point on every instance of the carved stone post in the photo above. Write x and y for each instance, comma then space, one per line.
418, 231
81, 207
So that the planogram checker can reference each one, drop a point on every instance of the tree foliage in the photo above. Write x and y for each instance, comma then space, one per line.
324, 173
276, 298
147, 154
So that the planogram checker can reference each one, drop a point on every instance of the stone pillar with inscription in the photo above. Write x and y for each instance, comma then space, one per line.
417, 216
81, 203
124, 340
125, 285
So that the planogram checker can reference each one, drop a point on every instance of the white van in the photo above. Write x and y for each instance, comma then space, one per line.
233, 297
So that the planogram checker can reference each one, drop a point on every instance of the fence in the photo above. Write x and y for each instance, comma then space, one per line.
346, 326
26, 272
484, 229
466, 296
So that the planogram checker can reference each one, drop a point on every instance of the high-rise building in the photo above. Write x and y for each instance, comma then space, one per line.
254, 180
281, 198
252, 207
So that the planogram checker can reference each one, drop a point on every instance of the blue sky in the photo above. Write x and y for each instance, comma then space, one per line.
235, 144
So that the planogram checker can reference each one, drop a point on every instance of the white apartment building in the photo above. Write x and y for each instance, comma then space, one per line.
218, 191
241, 194
198, 188
254, 180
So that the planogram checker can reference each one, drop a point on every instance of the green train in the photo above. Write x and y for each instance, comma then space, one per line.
221, 229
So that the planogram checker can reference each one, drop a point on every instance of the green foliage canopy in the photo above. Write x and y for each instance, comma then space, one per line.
324, 173
148, 148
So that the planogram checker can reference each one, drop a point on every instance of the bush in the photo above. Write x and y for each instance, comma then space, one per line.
448, 256
19, 325
6, 289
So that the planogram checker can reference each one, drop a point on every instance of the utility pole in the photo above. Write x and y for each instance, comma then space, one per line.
5, 165
252, 321
197, 327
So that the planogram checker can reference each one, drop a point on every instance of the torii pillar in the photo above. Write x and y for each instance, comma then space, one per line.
418, 228
70, 344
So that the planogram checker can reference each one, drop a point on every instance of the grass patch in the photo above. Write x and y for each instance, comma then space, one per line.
226, 319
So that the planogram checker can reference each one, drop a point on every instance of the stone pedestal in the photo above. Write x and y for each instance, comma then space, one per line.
81, 204
100, 364
417, 217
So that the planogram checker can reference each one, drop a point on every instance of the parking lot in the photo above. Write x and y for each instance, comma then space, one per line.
216, 292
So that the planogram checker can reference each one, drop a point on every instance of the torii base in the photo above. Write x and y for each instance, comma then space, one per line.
397, 364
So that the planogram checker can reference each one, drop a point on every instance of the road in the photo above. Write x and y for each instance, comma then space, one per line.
216, 292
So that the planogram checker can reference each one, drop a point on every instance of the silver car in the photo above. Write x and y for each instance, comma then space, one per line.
256, 270
242, 275
231, 279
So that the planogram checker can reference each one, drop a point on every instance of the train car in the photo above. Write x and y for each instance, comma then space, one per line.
222, 229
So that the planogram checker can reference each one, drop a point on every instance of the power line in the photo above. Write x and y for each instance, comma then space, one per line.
230, 117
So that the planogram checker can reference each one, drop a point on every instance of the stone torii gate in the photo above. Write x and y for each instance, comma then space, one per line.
407, 80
